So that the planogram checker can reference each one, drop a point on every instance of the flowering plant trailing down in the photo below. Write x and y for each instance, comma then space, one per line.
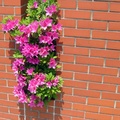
35, 61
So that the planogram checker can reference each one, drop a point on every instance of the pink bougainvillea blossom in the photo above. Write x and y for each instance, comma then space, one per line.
35, 4
52, 63
50, 10
10, 25
46, 23
44, 51
30, 71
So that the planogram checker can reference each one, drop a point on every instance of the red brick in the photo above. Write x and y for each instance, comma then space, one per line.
76, 32
113, 45
102, 87
90, 43
71, 113
67, 23
106, 35
111, 80
114, 25
103, 71
100, 102
66, 58
75, 84
66, 41
74, 99
106, 16
77, 51
89, 60
9, 116
104, 53
115, 7
13, 3
3, 96
83, 107
93, 5
92, 24
98, 116
6, 10
66, 105
75, 67
111, 111
88, 77
2, 67
113, 63
110, 96
87, 93
116, 117
77, 14
64, 4
2, 82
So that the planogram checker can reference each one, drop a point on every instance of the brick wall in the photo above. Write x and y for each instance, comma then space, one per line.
89, 53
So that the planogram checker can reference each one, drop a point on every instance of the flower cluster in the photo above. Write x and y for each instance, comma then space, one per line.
35, 60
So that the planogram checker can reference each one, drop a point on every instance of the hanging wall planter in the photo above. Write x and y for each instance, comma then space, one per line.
35, 61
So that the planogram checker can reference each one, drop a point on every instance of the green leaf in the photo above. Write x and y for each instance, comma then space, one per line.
58, 66
17, 54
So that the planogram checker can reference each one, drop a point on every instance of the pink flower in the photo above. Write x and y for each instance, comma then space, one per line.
45, 39
53, 35
32, 87
49, 84
30, 50
32, 101
18, 92
44, 0
21, 39
10, 25
34, 26
21, 80
35, 4
30, 71
16, 65
40, 78
52, 63
56, 27
55, 81
45, 23
50, 10
40, 104
44, 51
33, 60
52, 48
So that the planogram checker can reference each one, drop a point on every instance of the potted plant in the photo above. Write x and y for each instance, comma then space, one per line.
35, 60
